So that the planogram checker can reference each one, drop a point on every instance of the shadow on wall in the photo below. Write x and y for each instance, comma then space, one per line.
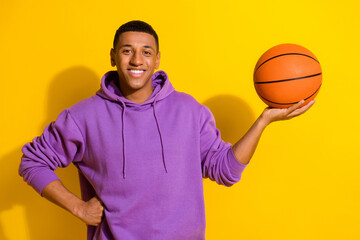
233, 116
23, 210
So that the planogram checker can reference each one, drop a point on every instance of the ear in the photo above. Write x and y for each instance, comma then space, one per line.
157, 61
112, 57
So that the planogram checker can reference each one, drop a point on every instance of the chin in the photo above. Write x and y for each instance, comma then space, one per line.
137, 85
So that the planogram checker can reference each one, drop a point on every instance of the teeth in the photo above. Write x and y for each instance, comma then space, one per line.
136, 71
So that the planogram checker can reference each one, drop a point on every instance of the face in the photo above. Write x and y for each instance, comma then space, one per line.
136, 57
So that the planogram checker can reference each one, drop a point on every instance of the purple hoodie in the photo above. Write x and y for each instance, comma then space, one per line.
144, 161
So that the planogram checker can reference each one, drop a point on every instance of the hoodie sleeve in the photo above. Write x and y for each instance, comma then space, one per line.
60, 144
217, 158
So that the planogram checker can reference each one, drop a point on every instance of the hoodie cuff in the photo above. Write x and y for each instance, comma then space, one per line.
42, 178
236, 168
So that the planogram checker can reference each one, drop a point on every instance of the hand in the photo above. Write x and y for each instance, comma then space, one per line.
91, 212
276, 114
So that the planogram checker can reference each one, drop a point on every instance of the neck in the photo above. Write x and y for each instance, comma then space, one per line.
138, 96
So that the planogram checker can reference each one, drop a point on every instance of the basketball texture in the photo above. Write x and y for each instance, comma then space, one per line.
287, 74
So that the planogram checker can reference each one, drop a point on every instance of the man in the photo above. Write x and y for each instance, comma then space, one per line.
141, 148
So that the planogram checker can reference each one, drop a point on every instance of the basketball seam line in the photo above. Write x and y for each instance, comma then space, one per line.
292, 102
285, 55
290, 79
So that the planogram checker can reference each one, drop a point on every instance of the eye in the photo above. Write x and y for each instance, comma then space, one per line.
147, 53
126, 51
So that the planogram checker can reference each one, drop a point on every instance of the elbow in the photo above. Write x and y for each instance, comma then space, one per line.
228, 182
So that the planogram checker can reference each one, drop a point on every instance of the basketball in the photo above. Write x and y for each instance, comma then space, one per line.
286, 74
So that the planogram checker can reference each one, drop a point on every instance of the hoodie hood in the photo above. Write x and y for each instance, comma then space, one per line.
110, 91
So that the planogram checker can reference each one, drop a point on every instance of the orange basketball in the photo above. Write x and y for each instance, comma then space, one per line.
286, 74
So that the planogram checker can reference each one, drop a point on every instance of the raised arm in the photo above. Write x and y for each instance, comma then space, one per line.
245, 147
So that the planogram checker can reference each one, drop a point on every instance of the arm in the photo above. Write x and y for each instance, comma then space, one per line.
245, 147
218, 162
60, 144
89, 212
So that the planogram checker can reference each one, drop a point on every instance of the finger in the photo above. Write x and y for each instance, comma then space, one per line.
101, 202
96, 222
101, 207
301, 110
295, 106
94, 200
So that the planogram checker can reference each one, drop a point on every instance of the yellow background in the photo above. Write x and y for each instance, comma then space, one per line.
302, 183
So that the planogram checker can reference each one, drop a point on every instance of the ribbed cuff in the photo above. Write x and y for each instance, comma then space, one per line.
42, 178
236, 168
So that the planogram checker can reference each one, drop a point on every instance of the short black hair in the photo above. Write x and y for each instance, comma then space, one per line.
136, 26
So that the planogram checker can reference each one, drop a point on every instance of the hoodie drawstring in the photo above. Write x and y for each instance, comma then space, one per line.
161, 140
123, 137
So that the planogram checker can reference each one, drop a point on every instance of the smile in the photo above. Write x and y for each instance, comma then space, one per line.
136, 73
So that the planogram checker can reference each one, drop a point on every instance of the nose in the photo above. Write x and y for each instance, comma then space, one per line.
136, 59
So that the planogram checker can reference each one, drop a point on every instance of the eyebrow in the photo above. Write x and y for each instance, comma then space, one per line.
149, 47
129, 45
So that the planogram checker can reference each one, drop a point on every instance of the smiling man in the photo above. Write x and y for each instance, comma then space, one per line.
136, 56
141, 148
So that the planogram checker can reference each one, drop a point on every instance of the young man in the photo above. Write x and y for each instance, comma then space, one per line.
141, 148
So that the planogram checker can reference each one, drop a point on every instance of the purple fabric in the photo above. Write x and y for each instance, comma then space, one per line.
144, 161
